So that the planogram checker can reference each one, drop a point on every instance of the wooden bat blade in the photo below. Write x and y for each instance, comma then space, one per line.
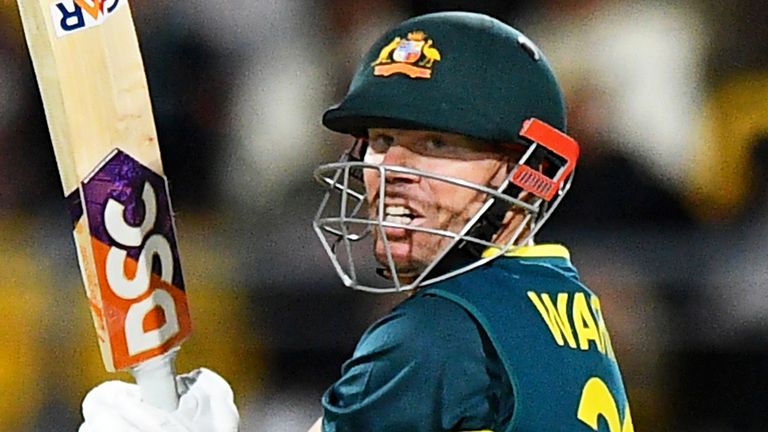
92, 80
91, 77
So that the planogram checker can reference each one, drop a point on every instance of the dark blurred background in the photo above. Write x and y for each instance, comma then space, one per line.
667, 219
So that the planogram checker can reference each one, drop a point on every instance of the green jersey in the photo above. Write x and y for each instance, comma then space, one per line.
516, 345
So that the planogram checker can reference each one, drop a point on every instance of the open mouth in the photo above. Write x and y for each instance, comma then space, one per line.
399, 214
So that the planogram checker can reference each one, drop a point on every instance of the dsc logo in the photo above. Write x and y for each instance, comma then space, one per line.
72, 15
140, 285
143, 304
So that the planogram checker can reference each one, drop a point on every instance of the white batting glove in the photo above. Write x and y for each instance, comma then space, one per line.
206, 405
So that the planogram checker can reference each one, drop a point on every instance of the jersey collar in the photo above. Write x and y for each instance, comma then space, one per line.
534, 251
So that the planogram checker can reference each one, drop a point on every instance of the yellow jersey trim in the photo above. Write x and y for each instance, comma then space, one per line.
535, 251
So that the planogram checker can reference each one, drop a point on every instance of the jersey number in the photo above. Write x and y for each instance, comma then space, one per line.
596, 401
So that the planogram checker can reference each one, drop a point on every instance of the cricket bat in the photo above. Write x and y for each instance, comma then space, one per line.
91, 76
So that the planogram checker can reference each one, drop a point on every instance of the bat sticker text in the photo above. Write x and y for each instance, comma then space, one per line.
70, 16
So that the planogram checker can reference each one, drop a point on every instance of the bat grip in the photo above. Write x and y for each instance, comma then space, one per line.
156, 378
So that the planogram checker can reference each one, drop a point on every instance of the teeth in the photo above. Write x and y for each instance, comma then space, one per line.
402, 220
396, 211
398, 215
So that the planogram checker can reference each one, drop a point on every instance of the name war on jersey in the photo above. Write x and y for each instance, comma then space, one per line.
574, 319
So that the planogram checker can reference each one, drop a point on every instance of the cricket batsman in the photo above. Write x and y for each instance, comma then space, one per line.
460, 155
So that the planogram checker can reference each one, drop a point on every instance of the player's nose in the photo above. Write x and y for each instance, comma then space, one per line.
400, 156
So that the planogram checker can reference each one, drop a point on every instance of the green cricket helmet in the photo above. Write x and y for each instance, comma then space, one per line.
456, 72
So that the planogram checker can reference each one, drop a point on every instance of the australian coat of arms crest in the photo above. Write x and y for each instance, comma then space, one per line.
413, 56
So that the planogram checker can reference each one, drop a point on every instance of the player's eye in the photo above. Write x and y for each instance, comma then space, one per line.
435, 144
380, 143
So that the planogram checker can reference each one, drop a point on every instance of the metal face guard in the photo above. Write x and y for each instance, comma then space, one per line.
345, 228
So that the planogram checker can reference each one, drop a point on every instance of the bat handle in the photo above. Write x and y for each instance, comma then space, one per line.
156, 378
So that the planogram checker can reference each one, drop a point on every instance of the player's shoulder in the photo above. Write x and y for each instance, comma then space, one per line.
421, 325
427, 312
554, 272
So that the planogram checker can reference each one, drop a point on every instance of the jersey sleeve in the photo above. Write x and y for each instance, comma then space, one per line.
423, 367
